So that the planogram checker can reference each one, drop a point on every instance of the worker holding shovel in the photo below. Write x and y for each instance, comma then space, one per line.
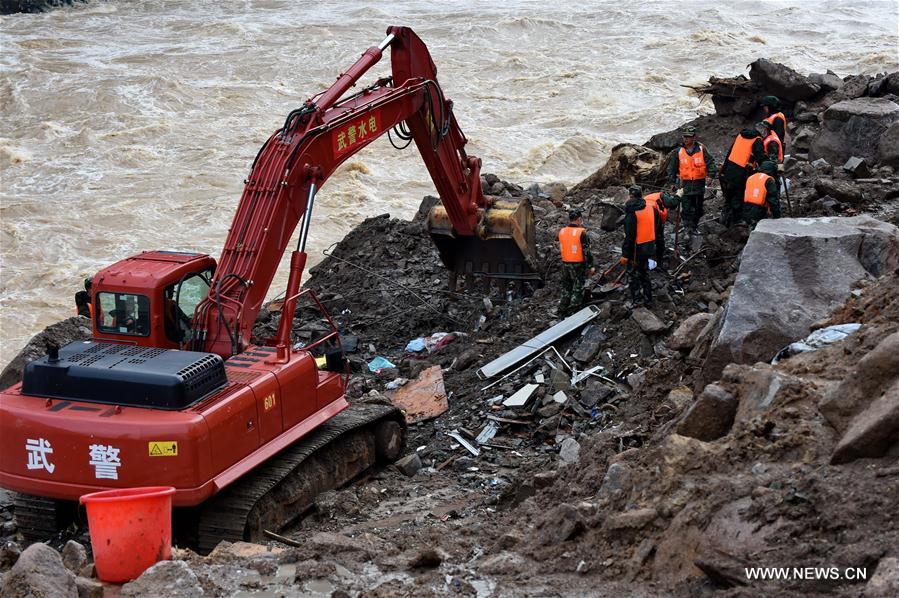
644, 245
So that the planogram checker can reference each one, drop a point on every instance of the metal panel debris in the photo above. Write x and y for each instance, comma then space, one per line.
547, 337
521, 396
487, 433
465, 444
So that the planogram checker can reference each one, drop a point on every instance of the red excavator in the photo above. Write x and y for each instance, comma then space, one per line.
172, 389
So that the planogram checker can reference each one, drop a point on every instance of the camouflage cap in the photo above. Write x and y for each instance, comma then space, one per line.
635, 191
771, 101
689, 131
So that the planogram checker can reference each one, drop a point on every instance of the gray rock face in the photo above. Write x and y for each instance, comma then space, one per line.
711, 416
74, 556
570, 451
648, 321
828, 81
684, 338
172, 579
589, 344
868, 380
39, 573
885, 581
840, 190
781, 80
559, 524
889, 84
854, 128
873, 431
857, 167
77, 328
409, 465
793, 272
888, 149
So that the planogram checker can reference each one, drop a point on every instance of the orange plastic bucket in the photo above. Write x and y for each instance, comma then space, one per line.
131, 529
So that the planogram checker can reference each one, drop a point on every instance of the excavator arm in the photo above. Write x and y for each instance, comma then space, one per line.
299, 157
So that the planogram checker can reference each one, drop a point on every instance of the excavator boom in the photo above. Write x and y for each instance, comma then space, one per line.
472, 236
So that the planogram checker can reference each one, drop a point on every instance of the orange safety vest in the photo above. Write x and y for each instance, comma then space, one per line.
570, 244
756, 193
655, 200
741, 153
773, 138
777, 115
646, 224
692, 168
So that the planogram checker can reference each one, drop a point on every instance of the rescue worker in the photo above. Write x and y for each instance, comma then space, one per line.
774, 116
643, 240
761, 198
577, 261
746, 151
771, 142
691, 165
663, 201
83, 304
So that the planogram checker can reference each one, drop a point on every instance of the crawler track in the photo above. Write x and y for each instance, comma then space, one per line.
284, 487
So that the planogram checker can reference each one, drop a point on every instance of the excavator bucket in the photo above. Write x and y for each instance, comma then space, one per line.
503, 248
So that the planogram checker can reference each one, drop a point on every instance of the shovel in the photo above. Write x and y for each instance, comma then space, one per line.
607, 283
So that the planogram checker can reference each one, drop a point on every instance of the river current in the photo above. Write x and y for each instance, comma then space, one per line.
127, 126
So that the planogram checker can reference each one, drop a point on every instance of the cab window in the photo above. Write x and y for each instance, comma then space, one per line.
180, 301
123, 313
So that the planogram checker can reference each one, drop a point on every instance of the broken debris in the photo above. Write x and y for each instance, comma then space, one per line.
423, 398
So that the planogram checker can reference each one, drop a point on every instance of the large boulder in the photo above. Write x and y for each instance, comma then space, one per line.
793, 272
782, 81
77, 328
854, 128
629, 164
39, 573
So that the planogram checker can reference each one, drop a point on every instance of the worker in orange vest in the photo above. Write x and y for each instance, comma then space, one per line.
577, 262
84, 305
774, 116
745, 153
771, 142
691, 164
761, 200
663, 201
643, 241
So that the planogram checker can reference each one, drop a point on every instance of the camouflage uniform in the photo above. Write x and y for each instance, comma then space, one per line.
574, 275
694, 191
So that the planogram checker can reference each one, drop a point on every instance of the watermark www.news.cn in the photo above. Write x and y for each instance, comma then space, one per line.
806, 573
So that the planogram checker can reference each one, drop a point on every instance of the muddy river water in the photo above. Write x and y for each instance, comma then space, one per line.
131, 125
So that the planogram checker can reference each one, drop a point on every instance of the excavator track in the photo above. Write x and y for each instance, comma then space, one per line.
40, 519
283, 488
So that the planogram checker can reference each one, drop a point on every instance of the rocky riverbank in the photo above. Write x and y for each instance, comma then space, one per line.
10, 7
684, 457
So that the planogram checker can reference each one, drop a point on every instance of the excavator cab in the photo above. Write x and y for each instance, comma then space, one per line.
149, 299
